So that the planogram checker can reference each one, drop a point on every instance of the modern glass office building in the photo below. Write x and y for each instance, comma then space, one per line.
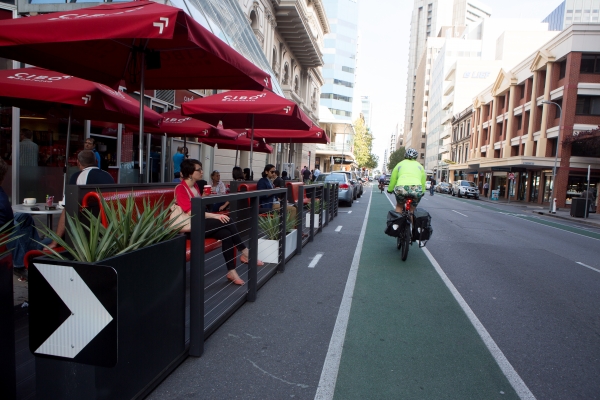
572, 11
339, 58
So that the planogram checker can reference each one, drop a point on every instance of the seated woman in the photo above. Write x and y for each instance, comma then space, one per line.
218, 187
217, 225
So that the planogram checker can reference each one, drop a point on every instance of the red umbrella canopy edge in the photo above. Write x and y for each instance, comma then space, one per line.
41, 90
175, 124
314, 135
236, 108
104, 44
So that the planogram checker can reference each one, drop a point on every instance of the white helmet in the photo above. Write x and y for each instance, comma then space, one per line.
411, 154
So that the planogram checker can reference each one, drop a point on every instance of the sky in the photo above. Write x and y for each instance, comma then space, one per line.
384, 29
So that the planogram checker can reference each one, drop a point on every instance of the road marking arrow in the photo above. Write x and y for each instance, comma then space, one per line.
88, 316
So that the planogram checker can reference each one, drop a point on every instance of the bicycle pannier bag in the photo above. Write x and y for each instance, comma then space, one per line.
395, 224
423, 229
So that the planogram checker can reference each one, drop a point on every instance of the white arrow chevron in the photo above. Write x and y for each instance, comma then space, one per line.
287, 109
161, 25
88, 315
87, 98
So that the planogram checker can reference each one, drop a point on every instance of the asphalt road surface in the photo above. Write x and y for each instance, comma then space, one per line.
533, 282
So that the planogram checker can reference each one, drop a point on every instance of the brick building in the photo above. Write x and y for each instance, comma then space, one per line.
514, 133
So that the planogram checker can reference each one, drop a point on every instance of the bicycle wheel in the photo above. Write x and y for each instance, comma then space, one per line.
398, 242
405, 238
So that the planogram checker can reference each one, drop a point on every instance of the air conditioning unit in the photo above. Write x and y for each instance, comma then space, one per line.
290, 168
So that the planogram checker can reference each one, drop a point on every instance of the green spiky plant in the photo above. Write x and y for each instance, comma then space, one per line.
7, 235
129, 229
269, 224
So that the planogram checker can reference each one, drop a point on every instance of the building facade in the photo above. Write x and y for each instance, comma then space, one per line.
340, 48
515, 133
366, 109
459, 146
573, 11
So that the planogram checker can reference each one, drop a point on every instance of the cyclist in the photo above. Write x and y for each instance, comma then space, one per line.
408, 181
381, 181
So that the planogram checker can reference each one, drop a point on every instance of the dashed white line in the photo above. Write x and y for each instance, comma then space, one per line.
587, 266
349, 212
339, 228
460, 213
315, 260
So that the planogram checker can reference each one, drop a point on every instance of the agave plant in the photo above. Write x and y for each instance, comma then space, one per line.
128, 229
6, 236
270, 224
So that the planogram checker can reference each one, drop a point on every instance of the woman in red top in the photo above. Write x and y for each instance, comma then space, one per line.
217, 225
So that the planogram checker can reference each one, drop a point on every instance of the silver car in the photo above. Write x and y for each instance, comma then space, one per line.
346, 190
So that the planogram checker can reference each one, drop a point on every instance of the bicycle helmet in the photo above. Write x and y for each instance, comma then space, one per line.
411, 154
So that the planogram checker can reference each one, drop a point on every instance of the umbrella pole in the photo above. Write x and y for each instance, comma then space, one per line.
141, 140
251, 145
67, 153
236, 156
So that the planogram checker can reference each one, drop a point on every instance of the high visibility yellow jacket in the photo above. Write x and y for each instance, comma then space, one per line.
407, 172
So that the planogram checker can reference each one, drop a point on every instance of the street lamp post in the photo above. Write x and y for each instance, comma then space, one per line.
556, 155
344, 147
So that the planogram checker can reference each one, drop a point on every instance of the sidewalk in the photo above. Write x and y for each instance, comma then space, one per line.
407, 336
562, 213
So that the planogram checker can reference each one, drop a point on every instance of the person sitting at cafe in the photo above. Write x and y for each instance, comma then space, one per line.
218, 187
217, 226
237, 174
88, 174
285, 176
270, 203
278, 182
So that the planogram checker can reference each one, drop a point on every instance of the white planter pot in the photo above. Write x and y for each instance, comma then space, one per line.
316, 217
268, 250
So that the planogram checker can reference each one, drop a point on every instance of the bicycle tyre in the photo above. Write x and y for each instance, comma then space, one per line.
398, 242
405, 239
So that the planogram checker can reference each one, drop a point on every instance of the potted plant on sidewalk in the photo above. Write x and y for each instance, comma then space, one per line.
268, 245
147, 252
315, 215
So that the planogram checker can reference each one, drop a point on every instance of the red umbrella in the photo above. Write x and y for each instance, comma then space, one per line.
145, 44
314, 135
175, 124
42, 90
241, 143
241, 109
106, 44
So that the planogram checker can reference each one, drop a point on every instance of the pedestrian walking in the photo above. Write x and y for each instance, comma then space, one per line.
431, 185
486, 188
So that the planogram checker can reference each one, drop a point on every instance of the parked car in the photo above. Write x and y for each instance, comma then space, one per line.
355, 180
442, 187
346, 190
465, 188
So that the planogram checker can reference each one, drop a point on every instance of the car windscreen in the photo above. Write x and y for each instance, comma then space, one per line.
335, 178
464, 183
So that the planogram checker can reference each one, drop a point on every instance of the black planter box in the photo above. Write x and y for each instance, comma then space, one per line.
150, 329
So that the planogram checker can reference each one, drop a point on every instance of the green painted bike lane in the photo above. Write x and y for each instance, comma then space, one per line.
407, 336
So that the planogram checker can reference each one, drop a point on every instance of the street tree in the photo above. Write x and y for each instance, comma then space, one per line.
396, 157
363, 144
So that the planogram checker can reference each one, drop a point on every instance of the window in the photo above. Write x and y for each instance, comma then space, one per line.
335, 96
348, 69
562, 69
587, 105
519, 122
590, 63
343, 83
557, 114
422, 145
522, 91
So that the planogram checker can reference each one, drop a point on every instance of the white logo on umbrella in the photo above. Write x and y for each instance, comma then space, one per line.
161, 25
87, 98
287, 109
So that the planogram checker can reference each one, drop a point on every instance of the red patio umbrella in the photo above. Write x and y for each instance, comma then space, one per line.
314, 135
240, 144
144, 44
175, 124
48, 91
241, 109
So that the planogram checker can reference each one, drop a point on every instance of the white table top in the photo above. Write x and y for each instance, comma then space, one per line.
42, 209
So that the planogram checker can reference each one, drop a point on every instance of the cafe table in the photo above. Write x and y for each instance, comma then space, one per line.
27, 209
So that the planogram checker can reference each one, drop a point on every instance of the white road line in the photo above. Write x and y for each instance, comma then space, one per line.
339, 228
460, 213
331, 365
587, 266
513, 377
349, 212
315, 260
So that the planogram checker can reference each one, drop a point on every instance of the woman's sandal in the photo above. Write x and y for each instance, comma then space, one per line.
236, 281
244, 260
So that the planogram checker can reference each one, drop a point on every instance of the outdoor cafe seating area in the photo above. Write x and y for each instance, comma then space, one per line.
155, 305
